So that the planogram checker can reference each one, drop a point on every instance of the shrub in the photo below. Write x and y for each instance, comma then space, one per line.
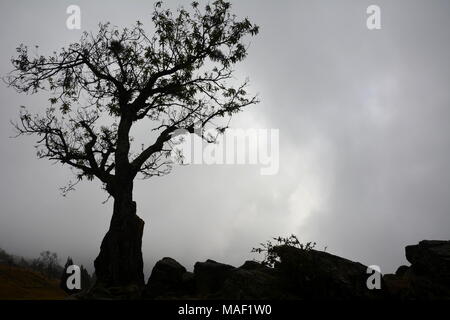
270, 255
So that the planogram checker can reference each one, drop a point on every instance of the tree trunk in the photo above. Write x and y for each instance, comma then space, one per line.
120, 263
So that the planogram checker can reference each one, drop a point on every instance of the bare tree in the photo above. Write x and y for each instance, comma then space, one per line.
180, 77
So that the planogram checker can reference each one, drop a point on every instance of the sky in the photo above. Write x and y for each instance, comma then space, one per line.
364, 140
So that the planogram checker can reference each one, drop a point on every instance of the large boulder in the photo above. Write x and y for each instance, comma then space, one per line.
312, 274
210, 276
168, 278
431, 258
428, 277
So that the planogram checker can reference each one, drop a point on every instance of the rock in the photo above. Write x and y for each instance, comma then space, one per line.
188, 282
167, 278
167, 270
210, 276
305, 274
398, 287
252, 265
411, 286
431, 258
301, 274
428, 277
401, 270
312, 274
254, 283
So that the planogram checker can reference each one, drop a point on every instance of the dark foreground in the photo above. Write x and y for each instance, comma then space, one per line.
299, 275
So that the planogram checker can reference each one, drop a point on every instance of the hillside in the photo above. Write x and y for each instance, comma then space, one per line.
17, 283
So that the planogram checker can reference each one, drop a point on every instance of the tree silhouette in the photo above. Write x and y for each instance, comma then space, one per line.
180, 77
48, 264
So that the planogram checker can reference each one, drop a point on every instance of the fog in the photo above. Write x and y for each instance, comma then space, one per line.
364, 140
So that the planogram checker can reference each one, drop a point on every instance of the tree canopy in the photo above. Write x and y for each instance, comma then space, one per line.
179, 77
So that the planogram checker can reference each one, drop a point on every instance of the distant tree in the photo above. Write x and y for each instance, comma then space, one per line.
6, 258
86, 280
48, 264
179, 77
23, 263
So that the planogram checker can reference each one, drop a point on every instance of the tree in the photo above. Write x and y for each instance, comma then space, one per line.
48, 264
85, 279
181, 77
6, 258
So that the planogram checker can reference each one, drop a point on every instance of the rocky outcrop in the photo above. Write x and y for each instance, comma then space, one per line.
305, 274
300, 274
428, 277
431, 258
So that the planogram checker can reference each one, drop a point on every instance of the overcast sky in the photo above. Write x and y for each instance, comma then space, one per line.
364, 140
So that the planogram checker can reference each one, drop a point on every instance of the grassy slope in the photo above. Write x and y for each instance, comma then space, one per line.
22, 284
